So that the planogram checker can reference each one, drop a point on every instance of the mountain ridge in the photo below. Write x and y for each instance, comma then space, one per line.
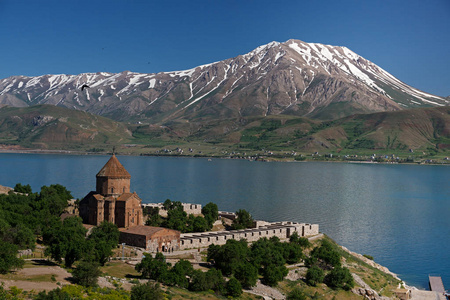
293, 78
50, 127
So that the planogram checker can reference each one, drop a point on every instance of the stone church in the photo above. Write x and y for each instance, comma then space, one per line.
112, 200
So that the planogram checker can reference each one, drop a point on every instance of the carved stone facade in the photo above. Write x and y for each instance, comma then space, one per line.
112, 201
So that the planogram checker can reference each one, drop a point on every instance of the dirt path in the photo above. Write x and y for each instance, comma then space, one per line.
26, 276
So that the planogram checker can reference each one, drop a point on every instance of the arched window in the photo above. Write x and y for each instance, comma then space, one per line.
112, 190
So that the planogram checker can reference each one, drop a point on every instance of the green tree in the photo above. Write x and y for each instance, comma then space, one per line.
198, 281
167, 204
153, 217
65, 239
102, 240
243, 220
293, 252
203, 281
55, 197
87, 273
215, 280
176, 219
339, 278
153, 268
8, 257
296, 294
227, 257
326, 256
273, 273
24, 189
56, 294
296, 239
198, 224
211, 212
247, 274
268, 256
147, 291
21, 236
314, 275
179, 274
233, 287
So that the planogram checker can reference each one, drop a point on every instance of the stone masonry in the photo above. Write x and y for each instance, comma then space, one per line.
195, 209
282, 230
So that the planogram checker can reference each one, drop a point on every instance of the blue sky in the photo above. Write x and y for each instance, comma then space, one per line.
408, 38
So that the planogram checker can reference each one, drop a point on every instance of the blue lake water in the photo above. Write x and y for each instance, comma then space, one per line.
399, 214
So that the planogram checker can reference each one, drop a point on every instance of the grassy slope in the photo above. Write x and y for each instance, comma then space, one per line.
49, 127
52, 127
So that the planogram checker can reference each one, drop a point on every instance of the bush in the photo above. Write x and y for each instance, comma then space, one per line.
24, 189
247, 274
368, 256
233, 287
86, 273
148, 291
314, 275
296, 294
211, 212
325, 255
243, 220
8, 258
272, 274
56, 294
339, 278
211, 280
153, 268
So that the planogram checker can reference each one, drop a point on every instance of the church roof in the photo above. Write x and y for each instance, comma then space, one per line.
113, 168
127, 196
148, 231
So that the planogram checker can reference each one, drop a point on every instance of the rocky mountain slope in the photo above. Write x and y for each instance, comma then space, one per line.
291, 78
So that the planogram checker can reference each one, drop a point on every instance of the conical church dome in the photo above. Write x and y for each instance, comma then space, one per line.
113, 169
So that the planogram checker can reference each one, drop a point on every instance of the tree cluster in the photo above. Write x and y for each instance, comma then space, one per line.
24, 215
243, 220
140, 291
326, 258
179, 220
265, 257
183, 275
68, 240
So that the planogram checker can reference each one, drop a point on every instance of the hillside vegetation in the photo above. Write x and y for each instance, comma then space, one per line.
424, 131
53, 127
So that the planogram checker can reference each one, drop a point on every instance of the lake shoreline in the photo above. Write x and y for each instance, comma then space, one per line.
84, 153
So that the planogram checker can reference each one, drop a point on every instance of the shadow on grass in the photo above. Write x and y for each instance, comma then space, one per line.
43, 262
71, 279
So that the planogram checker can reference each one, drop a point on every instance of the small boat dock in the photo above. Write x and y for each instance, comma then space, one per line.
436, 284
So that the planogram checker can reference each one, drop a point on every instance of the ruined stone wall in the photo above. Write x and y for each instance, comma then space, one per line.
282, 230
195, 209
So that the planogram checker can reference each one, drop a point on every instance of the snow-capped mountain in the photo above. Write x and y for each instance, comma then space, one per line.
304, 79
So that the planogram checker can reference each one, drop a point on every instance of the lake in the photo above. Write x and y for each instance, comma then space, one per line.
399, 214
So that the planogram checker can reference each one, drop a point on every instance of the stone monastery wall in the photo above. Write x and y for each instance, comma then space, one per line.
189, 208
282, 230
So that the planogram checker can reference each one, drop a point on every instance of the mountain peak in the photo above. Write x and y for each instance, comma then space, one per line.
294, 77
